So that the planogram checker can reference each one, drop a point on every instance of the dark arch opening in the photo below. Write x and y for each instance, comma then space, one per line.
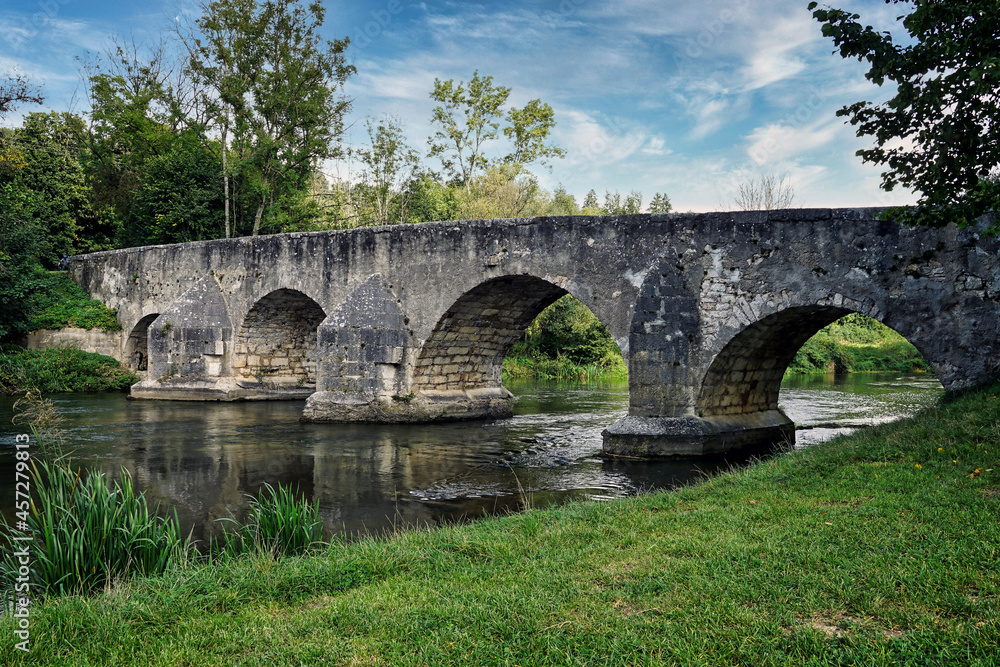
745, 376
137, 345
277, 341
467, 346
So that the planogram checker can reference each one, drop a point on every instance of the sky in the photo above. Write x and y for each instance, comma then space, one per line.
684, 98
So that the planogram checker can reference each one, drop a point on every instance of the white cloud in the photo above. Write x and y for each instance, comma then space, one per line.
656, 146
778, 51
777, 142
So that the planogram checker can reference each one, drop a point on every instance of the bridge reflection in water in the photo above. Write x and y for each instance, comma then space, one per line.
203, 460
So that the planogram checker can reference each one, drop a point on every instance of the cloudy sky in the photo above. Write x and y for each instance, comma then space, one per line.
685, 98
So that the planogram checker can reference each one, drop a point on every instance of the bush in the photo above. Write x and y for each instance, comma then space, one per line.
60, 370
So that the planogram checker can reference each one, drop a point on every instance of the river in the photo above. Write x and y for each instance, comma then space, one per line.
202, 459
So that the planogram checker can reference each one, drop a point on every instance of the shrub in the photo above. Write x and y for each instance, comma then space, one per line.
60, 370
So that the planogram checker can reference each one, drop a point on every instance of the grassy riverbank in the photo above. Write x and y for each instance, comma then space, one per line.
876, 549
857, 344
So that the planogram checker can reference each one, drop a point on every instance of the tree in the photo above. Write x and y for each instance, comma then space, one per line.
613, 204
19, 244
562, 203
764, 192
131, 122
938, 134
504, 191
180, 198
590, 201
280, 81
50, 145
389, 163
469, 117
430, 200
16, 89
660, 204
529, 128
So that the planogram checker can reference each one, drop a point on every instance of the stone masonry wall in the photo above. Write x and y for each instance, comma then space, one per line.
466, 349
277, 342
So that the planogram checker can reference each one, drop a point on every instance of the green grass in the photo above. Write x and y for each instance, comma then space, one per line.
59, 302
882, 548
546, 368
60, 370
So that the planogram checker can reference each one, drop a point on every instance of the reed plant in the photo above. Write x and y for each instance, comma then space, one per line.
277, 523
88, 532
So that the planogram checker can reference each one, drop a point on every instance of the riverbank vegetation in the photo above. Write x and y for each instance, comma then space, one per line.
566, 341
876, 548
57, 302
60, 370
857, 343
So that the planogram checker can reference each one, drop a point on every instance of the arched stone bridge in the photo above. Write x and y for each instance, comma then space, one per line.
411, 322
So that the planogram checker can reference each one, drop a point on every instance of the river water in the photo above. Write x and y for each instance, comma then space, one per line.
202, 459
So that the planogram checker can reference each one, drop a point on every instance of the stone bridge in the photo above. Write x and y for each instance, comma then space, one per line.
410, 323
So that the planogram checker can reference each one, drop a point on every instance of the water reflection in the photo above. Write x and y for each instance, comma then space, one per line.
200, 459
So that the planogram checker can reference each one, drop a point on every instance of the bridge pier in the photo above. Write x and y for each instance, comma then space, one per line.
425, 406
665, 437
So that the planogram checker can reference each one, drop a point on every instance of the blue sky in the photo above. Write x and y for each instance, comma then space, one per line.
686, 98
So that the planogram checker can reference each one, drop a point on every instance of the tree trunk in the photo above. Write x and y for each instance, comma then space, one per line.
225, 171
256, 220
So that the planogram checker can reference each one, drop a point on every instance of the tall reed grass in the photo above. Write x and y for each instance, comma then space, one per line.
277, 523
88, 532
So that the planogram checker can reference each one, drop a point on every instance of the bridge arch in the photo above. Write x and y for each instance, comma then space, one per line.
276, 342
466, 348
136, 353
745, 376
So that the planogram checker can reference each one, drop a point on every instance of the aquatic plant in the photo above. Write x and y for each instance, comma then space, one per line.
277, 523
88, 532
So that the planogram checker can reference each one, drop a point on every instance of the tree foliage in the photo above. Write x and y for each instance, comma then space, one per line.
17, 89
49, 146
281, 83
939, 133
469, 117
19, 245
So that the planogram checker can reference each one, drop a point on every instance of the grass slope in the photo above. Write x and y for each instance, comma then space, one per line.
881, 548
